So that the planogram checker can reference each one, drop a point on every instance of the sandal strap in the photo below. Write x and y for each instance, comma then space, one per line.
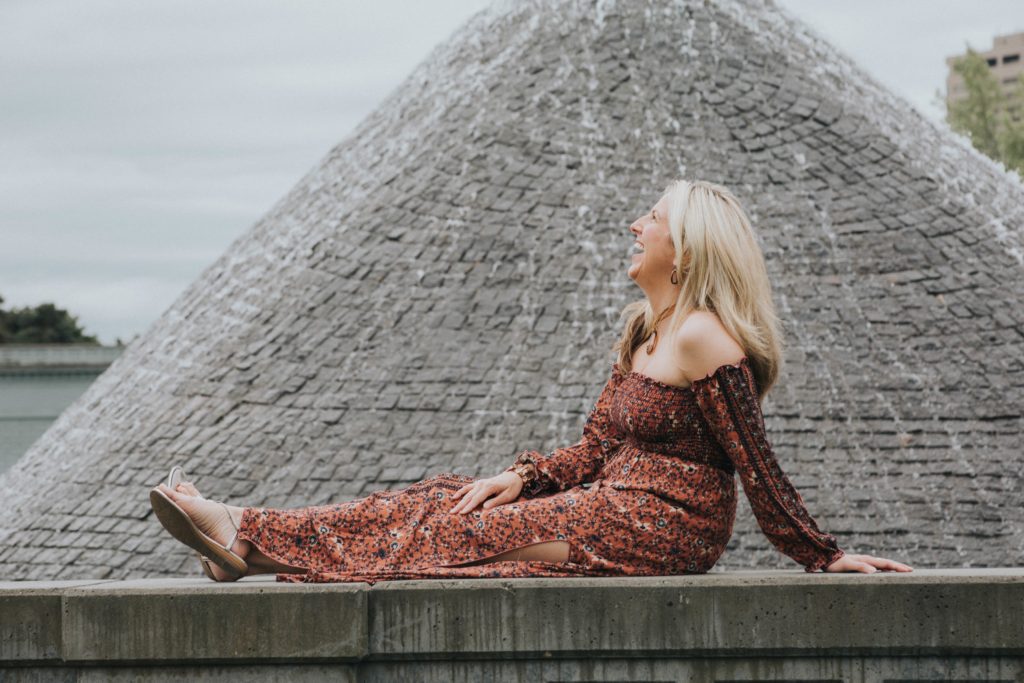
176, 474
232, 520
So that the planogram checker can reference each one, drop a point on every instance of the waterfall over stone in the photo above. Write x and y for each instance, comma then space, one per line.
442, 290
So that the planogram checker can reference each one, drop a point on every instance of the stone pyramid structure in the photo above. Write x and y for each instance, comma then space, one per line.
442, 290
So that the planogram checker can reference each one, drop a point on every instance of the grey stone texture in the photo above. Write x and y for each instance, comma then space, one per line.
928, 625
442, 290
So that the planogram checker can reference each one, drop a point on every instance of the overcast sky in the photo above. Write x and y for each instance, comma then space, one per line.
138, 139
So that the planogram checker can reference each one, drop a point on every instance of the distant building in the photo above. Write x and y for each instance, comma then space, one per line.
37, 382
1004, 60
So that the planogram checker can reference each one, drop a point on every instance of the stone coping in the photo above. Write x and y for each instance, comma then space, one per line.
744, 613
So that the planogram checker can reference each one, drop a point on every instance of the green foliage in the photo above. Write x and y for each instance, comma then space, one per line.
992, 119
43, 324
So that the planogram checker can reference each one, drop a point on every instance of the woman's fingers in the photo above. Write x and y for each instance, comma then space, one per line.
868, 564
885, 563
477, 495
477, 492
499, 500
472, 490
855, 563
461, 502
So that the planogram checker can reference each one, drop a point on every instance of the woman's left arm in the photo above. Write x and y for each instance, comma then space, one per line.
730, 405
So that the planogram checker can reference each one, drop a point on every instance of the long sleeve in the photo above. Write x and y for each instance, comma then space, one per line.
729, 403
565, 467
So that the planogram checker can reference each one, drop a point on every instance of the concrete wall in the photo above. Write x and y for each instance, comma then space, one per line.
929, 625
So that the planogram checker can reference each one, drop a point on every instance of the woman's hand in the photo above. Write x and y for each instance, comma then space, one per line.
505, 488
866, 564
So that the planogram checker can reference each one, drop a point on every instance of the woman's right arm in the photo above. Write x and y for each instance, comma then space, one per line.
568, 466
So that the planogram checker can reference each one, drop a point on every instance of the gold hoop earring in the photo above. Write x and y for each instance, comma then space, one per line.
675, 279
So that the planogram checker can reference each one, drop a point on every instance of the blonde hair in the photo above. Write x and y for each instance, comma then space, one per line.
722, 269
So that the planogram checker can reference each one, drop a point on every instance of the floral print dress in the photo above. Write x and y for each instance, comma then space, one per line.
649, 490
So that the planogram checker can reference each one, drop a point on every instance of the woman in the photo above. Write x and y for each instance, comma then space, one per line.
649, 489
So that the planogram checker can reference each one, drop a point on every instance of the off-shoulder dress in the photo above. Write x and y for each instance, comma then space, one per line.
649, 490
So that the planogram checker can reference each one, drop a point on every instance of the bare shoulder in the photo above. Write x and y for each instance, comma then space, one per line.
702, 345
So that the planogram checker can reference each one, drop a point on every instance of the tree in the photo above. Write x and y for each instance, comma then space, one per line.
43, 324
1012, 122
991, 118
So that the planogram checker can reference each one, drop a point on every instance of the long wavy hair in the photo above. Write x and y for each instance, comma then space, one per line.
722, 270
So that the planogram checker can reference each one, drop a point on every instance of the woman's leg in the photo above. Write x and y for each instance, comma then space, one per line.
547, 551
211, 518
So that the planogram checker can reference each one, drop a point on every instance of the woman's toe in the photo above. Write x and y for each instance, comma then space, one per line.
176, 495
189, 488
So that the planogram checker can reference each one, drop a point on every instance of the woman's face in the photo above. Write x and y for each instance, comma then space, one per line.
654, 254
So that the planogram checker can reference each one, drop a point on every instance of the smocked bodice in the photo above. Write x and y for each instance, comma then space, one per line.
663, 419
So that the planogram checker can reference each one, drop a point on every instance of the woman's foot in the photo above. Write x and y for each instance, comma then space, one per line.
209, 568
212, 519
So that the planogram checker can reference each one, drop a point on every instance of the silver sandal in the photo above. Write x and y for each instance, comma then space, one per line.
185, 531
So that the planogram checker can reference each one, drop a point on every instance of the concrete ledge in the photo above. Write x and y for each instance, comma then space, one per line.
722, 619
726, 614
161, 620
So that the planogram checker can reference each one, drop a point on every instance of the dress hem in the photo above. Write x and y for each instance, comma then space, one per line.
248, 530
